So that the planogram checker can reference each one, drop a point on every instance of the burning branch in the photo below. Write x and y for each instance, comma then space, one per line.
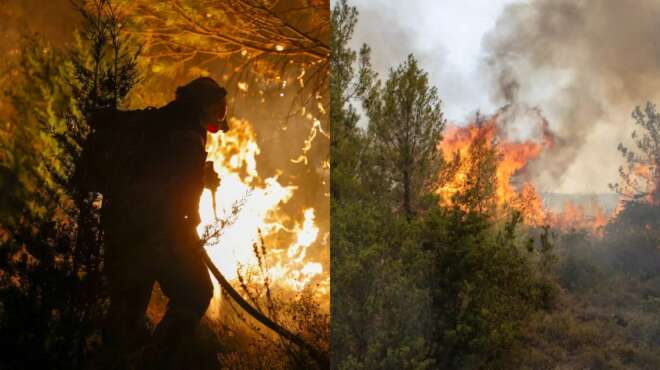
640, 175
260, 36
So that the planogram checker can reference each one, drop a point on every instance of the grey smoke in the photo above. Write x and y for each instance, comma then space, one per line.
586, 64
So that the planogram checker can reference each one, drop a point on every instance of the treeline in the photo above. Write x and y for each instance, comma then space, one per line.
416, 285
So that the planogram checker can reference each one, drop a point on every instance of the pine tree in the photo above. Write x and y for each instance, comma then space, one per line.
478, 196
406, 123
640, 175
348, 84
104, 61
378, 272
50, 283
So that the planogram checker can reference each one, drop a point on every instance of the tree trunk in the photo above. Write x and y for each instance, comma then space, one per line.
407, 207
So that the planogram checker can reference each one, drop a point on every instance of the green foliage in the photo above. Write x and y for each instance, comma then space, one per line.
38, 139
382, 315
50, 285
347, 140
104, 58
405, 125
485, 288
39, 278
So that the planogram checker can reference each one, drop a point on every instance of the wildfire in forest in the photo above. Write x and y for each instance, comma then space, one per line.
512, 189
574, 216
647, 177
251, 205
513, 157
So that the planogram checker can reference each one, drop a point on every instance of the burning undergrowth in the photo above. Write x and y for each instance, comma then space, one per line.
263, 251
254, 206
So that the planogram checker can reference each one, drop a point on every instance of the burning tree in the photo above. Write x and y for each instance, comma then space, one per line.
267, 51
482, 145
260, 38
636, 225
470, 178
640, 175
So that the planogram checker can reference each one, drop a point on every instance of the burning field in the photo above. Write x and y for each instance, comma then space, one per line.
543, 251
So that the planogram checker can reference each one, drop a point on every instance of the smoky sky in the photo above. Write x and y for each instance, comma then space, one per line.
587, 64
584, 63
443, 35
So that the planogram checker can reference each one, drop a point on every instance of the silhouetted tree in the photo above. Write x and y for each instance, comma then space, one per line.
640, 175
51, 286
258, 40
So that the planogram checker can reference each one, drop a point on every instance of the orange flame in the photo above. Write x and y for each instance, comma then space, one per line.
513, 158
592, 218
234, 155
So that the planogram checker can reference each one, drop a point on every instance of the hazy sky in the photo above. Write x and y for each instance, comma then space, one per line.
445, 35
584, 64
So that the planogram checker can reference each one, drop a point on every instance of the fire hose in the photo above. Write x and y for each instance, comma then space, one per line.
257, 315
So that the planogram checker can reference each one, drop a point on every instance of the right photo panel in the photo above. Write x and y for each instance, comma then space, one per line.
495, 184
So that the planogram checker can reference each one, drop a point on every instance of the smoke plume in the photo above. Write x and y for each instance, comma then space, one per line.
586, 64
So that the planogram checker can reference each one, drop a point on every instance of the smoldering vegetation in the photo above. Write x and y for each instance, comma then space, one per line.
606, 316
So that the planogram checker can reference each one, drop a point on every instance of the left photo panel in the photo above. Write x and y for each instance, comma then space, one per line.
164, 184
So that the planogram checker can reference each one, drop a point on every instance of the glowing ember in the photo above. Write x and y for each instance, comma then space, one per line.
316, 127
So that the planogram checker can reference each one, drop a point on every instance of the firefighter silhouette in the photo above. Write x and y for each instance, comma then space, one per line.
150, 167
